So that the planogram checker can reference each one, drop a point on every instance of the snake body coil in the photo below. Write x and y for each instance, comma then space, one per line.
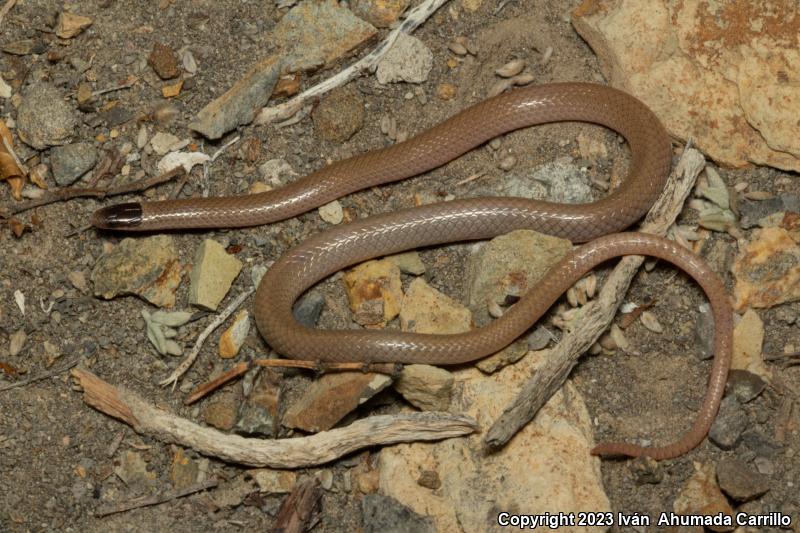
476, 218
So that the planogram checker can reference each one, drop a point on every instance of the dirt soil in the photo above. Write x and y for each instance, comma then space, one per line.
55, 468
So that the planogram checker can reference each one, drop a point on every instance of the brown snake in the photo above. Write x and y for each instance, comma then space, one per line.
476, 218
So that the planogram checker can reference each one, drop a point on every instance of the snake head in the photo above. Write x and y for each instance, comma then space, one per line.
119, 216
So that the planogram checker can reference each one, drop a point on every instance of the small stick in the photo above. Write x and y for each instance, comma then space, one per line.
112, 448
299, 452
205, 388
147, 501
596, 316
112, 89
50, 373
415, 17
217, 322
62, 195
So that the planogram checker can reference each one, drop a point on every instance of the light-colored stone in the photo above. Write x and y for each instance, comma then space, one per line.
163, 142
5, 89
409, 60
379, 13
748, 338
426, 310
546, 466
767, 270
332, 212
44, 118
426, 387
510, 265
212, 274
725, 73
232, 339
274, 481
701, 496
408, 262
70, 25
374, 291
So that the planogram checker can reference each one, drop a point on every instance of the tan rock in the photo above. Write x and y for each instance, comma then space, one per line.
183, 471
748, 338
426, 387
408, 262
546, 466
379, 13
724, 73
329, 398
212, 274
426, 310
701, 496
767, 270
374, 291
509, 265
232, 339
69, 25
274, 481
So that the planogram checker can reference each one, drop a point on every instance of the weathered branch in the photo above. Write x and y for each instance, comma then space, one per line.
299, 452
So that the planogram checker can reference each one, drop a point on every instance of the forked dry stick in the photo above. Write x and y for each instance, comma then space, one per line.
596, 316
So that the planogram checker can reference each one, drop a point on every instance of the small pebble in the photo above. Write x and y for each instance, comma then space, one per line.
507, 163
511, 69
332, 212
457, 48
446, 91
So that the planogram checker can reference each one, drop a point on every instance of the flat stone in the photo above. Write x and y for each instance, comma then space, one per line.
233, 338
221, 410
374, 291
239, 104
701, 496
232, 493
318, 33
183, 471
408, 262
426, 310
308, 310
387, 515
767, 270
132, 470
339, 116
426, 387
274, 481
730, 423
723, 73
70, 25
379, 13
539, 338
510, 265
5, 89
332, 212
213, 273
163, 142
259, 413
164, 61
44, 118
748, 339
739, 481
147, 267
545, 466
560, 181
507, 356
745, 385
71, 161
16, 342
409, 60
328, 399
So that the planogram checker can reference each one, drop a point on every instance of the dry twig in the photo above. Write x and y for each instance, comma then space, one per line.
282, 111
217, 322
595, 317
44, 375
299, 452
62, 195
147, 501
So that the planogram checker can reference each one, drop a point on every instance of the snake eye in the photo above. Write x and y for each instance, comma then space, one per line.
120, 216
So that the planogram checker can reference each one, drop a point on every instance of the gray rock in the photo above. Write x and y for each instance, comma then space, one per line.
761, 445
507, 356
409, 60
729, 425
704, 332
646, 470
745, 385
739, 481
44, 118
558, 181
426, 387
387, 515
539, 338
752, 212
71, 161
509, 265
308, 309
